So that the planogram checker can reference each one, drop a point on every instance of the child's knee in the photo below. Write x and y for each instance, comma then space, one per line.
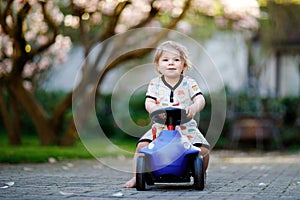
204, 151
141, 145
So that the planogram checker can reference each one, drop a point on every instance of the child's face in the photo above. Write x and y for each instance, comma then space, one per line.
170, 64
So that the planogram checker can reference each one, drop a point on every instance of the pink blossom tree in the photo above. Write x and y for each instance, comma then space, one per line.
31, 40
30, 31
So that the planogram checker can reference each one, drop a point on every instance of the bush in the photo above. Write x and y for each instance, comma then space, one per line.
285, 110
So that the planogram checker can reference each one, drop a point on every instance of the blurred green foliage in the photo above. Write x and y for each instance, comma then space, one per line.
284, 109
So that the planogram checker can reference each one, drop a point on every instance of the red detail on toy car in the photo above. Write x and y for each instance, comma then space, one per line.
154, 133
171, 127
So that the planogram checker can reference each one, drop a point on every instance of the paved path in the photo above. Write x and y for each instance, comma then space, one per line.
230, 176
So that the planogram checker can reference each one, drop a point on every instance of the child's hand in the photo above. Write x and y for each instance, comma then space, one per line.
191, 111
163, 116
197, 106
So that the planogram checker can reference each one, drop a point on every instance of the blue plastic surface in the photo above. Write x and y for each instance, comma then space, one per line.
168, 153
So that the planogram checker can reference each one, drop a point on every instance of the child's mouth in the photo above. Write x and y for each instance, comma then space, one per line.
172, 68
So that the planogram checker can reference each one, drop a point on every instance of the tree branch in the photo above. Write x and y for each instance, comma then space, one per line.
52, 25
3, 16
153, 12
83, 28
58, 113
110, 28
140, 52
20, 57
174, 22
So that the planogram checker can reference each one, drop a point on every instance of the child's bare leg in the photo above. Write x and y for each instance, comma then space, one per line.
205, 154
132, 182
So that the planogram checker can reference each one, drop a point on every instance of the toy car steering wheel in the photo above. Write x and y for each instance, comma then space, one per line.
170, 116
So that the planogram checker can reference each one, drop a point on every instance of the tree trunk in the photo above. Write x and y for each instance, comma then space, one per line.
14, 137
70, 136
59, 112
15, 107
42, 124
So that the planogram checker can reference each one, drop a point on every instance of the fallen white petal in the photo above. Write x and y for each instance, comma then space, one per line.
52, 160
66, 193
262, 184
118, 194
28, 169
8, 184
70, 165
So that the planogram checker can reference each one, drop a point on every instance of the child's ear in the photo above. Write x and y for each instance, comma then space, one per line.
184, 68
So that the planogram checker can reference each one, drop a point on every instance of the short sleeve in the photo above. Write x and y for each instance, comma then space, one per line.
193, 88
152, 90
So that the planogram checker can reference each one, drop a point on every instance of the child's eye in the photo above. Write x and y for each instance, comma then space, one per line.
177, 59
165, 60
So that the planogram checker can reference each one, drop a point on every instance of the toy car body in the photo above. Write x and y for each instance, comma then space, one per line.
170, 158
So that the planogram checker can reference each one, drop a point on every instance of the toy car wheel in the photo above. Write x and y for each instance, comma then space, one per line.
199, 176
141, 173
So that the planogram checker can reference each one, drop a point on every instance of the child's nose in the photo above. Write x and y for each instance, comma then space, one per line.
171, 62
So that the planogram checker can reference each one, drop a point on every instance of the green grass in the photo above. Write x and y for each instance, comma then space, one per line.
32, 152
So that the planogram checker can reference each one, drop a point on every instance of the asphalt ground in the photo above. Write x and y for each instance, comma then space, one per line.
231, 175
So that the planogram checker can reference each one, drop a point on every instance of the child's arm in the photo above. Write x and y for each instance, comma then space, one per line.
197, 106
150, 105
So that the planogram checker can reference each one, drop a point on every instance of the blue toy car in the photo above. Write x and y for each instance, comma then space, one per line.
170, 158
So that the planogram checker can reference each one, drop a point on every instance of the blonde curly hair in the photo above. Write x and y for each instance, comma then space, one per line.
172, 46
